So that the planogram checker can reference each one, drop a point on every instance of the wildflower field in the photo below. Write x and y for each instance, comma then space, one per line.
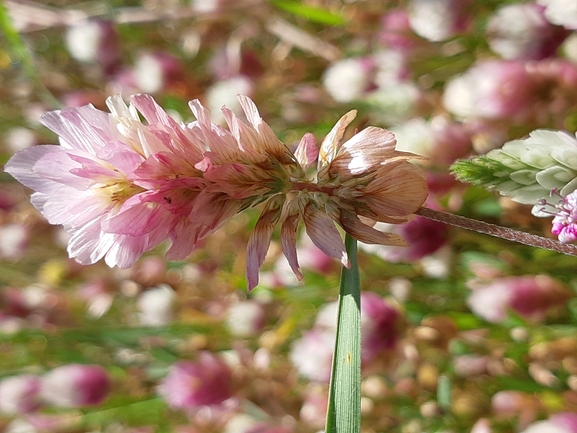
183, 180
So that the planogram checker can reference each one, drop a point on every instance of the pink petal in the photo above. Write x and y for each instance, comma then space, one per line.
322, 231
88, 244
397, 192
307, 151
84, 128
45, 168
288, 238
330, 144
137, 217
366, 234
260, 239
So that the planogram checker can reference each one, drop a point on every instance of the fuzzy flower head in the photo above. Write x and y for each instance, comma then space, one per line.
528, 169
121, 186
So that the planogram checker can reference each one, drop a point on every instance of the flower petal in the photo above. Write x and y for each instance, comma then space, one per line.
397, 192
307, 151
366, 234
260, 239
322, 231
330, 144
288, 239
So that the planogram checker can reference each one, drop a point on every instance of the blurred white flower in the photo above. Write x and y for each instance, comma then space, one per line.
561, 12
437, 20
224, 93
156, 306
348, 79
244, 319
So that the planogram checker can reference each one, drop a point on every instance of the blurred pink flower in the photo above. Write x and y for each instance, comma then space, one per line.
95, 42
381, 326
19, 394
315, 405
521, 31
396, 32
529, 296
156, 71
564, 422
75, 385
491, 89
312, 354
189, 385
424, 236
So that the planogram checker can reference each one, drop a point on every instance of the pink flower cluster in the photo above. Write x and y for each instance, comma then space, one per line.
68, 386
120, 187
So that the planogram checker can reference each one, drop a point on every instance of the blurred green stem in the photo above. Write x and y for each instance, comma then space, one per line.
21, 52
344, 409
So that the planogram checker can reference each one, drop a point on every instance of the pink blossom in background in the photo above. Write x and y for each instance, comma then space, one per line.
75, 385
190, 385
381, 326
396, 32
425, 237
491, 89
312, 354
564, 422
95, 42
315, 405
530, 296
349, 79
521, 31
439, 139
19, 394
156, 71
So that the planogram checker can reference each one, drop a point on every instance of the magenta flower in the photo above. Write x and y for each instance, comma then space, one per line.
75, 385
529, 296
190, 385
565, 220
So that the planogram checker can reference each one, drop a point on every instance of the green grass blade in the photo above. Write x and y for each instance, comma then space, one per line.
344, 409
310, 13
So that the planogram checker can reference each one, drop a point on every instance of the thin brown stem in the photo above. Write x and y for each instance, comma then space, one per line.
498, 231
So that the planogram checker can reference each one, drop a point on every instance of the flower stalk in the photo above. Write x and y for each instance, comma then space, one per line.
344, 408
498, 231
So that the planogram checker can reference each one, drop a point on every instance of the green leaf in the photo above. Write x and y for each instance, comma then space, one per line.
310, 13
481, 171
344, 409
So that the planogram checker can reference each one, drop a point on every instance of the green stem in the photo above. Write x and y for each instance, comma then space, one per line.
344, 409
21, 52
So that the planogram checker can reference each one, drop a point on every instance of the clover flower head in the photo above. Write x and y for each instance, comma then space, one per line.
121, 186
